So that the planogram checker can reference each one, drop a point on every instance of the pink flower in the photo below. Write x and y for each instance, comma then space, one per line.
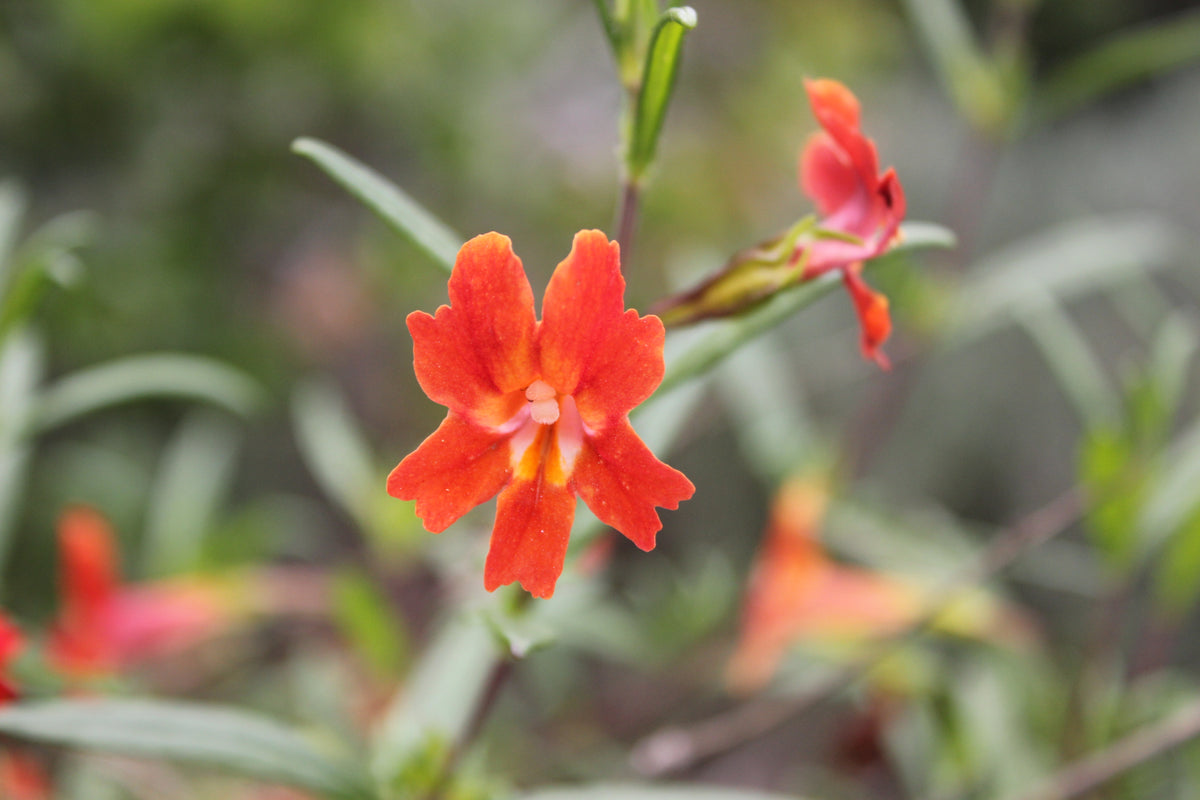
103, 626
860, 213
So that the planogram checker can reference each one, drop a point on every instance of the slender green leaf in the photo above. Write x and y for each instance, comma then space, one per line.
1072, 363
1173, 495
970, 78
12, 209
1064, 261
46, 259
1129, 56
922, 236
225, 739
623, 791
334, 449
658, 81
612, 31
771, 422
1178, 578
193, 478
432, 711
161, 375
405, 215
21, 365
366, 618
731, 334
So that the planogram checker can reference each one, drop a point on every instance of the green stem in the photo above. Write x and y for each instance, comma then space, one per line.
627, 214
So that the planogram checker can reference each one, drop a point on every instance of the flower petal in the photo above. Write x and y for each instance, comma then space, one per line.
608, 358
458, 467
826, 174
88, 564
874, 319
473, 354
622, 482
529, 540
837, 110
11, 641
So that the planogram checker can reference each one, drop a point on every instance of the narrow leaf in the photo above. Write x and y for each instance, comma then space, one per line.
367, 619
126, 380
334, 449
193, 479
405, 215
1127, 57
658, 81
1064, 261
433, 710
968, 75
21, 365
1071, 361
225, 739
12, 209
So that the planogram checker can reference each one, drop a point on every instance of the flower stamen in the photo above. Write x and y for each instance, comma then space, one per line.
543, 403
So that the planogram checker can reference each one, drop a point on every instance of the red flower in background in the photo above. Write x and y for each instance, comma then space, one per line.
839, 170
538, 410
103, 626
11, 643
860, 213
797, 593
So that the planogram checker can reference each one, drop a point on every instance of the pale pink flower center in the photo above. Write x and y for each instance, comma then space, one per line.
543, 405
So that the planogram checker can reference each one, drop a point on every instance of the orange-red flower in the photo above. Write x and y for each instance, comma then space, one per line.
797, 593
538, 410
11, 643
860, 213
22, 777
839, 170
103, 626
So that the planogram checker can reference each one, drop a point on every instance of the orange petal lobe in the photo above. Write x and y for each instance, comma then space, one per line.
459, 466
837, 110
622, 482
474, 353
874, 319
79, 643
826, 175
11, 643
608, 358
529, 540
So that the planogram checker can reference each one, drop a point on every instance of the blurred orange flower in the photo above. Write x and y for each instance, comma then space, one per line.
103, 626
11, 643
22, 777
538, 410
798, 593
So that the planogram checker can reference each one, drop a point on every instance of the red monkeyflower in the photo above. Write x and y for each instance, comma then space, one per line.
798, 593
11, 643
104, 626
839, 170
860, 213
538, 410
22, 777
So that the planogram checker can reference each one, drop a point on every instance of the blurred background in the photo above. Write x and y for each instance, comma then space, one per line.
1053, 347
